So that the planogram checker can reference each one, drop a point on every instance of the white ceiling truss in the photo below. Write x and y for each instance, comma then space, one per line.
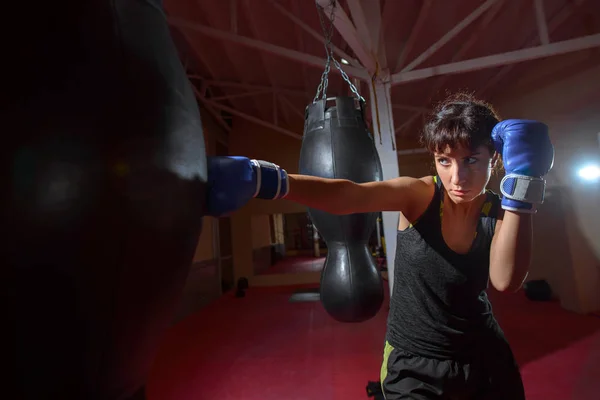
362, 31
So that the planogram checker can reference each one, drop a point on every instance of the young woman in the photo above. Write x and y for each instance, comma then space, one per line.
454, 236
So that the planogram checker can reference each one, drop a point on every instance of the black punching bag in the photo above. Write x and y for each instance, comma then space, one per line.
103, 193
337, 144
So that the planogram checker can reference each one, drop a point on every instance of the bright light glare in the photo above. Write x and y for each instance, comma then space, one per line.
590, 173
344, 61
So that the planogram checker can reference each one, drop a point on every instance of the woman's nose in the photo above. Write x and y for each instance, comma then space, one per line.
459, 175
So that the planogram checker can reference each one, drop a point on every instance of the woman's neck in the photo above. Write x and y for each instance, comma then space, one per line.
467, 209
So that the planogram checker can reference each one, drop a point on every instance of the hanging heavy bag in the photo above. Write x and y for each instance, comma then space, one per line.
337, 144
103, 197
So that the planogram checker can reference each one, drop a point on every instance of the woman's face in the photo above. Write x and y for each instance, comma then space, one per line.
465, 172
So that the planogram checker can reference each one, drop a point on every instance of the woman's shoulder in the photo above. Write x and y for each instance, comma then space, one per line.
430, 180
422, 198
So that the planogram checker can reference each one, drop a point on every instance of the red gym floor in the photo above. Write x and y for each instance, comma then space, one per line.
264, 347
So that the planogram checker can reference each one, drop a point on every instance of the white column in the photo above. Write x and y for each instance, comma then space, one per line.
383, 133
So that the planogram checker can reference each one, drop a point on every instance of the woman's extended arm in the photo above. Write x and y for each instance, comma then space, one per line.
510, 254
340, 196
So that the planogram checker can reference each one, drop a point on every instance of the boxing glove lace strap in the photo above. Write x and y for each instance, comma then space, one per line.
524, 188
271, 182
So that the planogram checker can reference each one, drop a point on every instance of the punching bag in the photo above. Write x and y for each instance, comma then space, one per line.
337, 144
103, 193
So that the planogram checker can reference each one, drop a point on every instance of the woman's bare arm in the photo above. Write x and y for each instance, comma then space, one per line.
510, 254
340, 196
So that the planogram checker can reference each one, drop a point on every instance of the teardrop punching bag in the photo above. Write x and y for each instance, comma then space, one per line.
337, 144
104, 179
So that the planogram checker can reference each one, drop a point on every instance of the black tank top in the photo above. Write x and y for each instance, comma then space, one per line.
439, 307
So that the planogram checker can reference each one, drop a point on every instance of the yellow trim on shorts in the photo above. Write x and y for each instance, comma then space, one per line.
386, 355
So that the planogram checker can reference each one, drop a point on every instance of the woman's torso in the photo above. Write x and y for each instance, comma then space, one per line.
439, 307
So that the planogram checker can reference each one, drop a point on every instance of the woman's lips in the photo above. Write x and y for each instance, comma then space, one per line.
460, 192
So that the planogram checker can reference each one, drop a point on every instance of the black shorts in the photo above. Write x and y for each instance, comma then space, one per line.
491, 375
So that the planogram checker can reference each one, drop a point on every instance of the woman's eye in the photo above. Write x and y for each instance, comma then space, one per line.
471, 160
443, 161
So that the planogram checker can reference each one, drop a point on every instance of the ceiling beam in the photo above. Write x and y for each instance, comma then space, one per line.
253, 119
308, 59
319, 36
300, 40
231, 53
250, 86
218, 117
556, 21
363, 28
511, 57
242, 95
450, 35
479, 31
349, 33
292, 107
200, 94
406, 123
284, 110
466, 46
540, 19
374, 16
200, 56
370, 12
414, 33
266, 65
570, 66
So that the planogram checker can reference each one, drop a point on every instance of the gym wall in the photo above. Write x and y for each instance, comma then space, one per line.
261, 242
567, 231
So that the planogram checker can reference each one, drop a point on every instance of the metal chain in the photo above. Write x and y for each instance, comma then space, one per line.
328, 33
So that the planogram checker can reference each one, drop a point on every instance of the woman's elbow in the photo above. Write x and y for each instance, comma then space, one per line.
507, 284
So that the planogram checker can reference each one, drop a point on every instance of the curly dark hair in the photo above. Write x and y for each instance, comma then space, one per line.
460, 120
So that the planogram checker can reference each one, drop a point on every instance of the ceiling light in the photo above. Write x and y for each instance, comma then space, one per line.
344, 61
590, 173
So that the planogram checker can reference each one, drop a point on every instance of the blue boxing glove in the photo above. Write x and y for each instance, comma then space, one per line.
528, 155
233, 181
